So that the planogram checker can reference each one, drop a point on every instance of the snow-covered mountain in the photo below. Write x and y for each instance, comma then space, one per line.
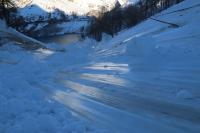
79, 7
61, 11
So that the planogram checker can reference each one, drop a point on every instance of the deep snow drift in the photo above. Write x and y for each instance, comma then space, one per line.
146, 80
24, 105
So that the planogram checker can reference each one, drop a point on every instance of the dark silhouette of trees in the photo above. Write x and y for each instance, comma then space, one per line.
132, 15
6, 7
108, 22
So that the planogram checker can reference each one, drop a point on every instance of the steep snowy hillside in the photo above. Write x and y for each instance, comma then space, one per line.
144, 80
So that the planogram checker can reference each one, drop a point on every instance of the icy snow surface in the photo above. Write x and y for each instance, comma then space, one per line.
144, 80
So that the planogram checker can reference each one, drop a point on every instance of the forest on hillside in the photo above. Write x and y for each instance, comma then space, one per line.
125, 17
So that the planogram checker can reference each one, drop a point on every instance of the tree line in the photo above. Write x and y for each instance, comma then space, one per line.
120, 18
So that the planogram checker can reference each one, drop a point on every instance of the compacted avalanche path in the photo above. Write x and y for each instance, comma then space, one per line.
146, 79
125, 94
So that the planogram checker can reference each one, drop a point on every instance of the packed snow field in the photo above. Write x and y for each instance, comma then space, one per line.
144, 80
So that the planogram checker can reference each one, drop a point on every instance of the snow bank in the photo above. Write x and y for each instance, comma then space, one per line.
26, 104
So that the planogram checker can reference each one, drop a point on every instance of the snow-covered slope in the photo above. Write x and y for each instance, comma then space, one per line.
154, 44
144, 80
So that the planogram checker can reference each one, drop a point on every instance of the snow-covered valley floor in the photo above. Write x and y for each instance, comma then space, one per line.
144, 80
